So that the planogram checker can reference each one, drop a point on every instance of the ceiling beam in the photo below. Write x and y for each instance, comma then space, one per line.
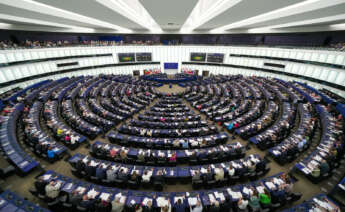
134, 11
295, 9
40, 22
57, 12
204, 11
301, 23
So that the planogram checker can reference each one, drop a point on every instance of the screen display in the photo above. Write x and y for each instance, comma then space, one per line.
145, 56
126, 57
215, 58
198, 57
170, 65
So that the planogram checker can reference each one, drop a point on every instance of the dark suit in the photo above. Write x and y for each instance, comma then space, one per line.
40, 186
122, 176
75, 199
90, 171
100, 173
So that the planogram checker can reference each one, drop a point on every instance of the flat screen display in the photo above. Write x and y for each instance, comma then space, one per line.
144, 56
170, 65
215, 58
126, 57
198, 57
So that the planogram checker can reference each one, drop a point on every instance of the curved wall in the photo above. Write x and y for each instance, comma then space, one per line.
329, 66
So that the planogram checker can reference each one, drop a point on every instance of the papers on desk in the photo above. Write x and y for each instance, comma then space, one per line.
306, 170
177, 198
105, 196
323, 204
192, 201
188, 153
203, 170
234, 194
276, 152
341, 186
85, 160
93, 163
270, 185
247, 191
68, 186
80, 190
219, 195
211, 198
121, 197
146, 200
92, 193
161, 202
260, 189
254, 159
278, 181
46, 177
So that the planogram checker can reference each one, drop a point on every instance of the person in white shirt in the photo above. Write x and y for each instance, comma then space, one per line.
74, 139
231, 170
149, 133
197, 207
142, 132
147, 175
242, 204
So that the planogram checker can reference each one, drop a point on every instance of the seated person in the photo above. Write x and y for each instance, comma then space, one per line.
117, 205
219, 174
231, 170
179, 207
316, 172
254, 201
265, 198
40, 185
102, 205
111, 174
101, 171
196, 175
197, 208
173, 157
52, 190
324, 167
242, 204
122, 174
135, 176
147, 175
159, 178
86, 203
51, 153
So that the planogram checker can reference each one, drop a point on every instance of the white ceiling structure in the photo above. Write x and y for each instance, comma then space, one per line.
173, 16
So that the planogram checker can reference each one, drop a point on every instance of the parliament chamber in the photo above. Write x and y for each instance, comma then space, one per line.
172, 106
96, 138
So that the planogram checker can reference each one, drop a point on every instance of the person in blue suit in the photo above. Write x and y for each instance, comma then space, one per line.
51, 154
230, 126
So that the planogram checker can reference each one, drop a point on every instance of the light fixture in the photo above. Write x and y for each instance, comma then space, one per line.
45, 23
5, 26
134, 11
298, 8
57, 12
299, 23
204, 11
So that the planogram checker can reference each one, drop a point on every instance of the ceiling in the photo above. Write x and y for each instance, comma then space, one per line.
173, 16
